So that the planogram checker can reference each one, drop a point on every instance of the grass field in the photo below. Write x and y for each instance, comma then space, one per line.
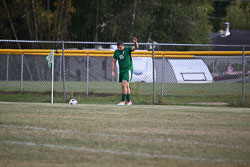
115, 87
40, 134
142, 93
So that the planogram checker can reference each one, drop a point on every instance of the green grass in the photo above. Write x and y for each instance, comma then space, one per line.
39, 134
115, 87
142, 93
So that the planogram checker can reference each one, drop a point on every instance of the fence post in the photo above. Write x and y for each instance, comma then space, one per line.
213, 66
7, 68
162, 76
21, 84
52, 79
243, 75
60, 68
153, 58
87, 84
64, 73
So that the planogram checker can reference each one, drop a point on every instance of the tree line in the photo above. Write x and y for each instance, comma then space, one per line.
172, 21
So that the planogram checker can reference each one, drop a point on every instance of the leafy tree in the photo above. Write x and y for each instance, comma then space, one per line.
36, 19
218, 13
175, 21
159, 20
238, 15
182, 21
101, 20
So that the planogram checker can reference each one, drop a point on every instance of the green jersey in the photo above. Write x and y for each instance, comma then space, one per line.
124, 58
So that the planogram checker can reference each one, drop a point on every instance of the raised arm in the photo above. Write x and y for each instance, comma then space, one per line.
113, 67
136, 46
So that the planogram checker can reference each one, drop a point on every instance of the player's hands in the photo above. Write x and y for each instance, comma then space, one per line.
113, 74
134, 40
136, 46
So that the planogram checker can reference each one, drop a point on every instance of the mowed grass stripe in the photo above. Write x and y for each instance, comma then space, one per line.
107, 142
132, 138
117, 152
206, 133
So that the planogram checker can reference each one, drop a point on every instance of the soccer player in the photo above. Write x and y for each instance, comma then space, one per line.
123, 55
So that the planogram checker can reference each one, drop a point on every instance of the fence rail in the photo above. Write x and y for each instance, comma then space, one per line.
110, 52
174, 73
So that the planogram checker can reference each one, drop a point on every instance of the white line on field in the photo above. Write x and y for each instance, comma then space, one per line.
193, 142
147, 155
36, 128
131, 137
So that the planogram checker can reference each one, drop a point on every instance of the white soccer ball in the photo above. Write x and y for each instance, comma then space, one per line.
72, 102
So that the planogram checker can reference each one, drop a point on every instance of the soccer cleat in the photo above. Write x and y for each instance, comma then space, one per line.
129, 103
122, 103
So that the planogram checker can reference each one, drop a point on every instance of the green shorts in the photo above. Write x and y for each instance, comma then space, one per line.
126, 75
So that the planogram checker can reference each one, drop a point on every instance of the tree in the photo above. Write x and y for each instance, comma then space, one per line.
175, 21
238, 15
218, 13
160, 20
36, 19
101, 20
182, 21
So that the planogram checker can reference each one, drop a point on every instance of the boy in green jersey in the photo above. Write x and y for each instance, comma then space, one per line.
123, 55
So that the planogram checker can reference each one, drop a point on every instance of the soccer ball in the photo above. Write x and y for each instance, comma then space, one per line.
72, 102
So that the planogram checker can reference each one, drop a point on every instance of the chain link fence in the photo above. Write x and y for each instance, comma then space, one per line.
163, 73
